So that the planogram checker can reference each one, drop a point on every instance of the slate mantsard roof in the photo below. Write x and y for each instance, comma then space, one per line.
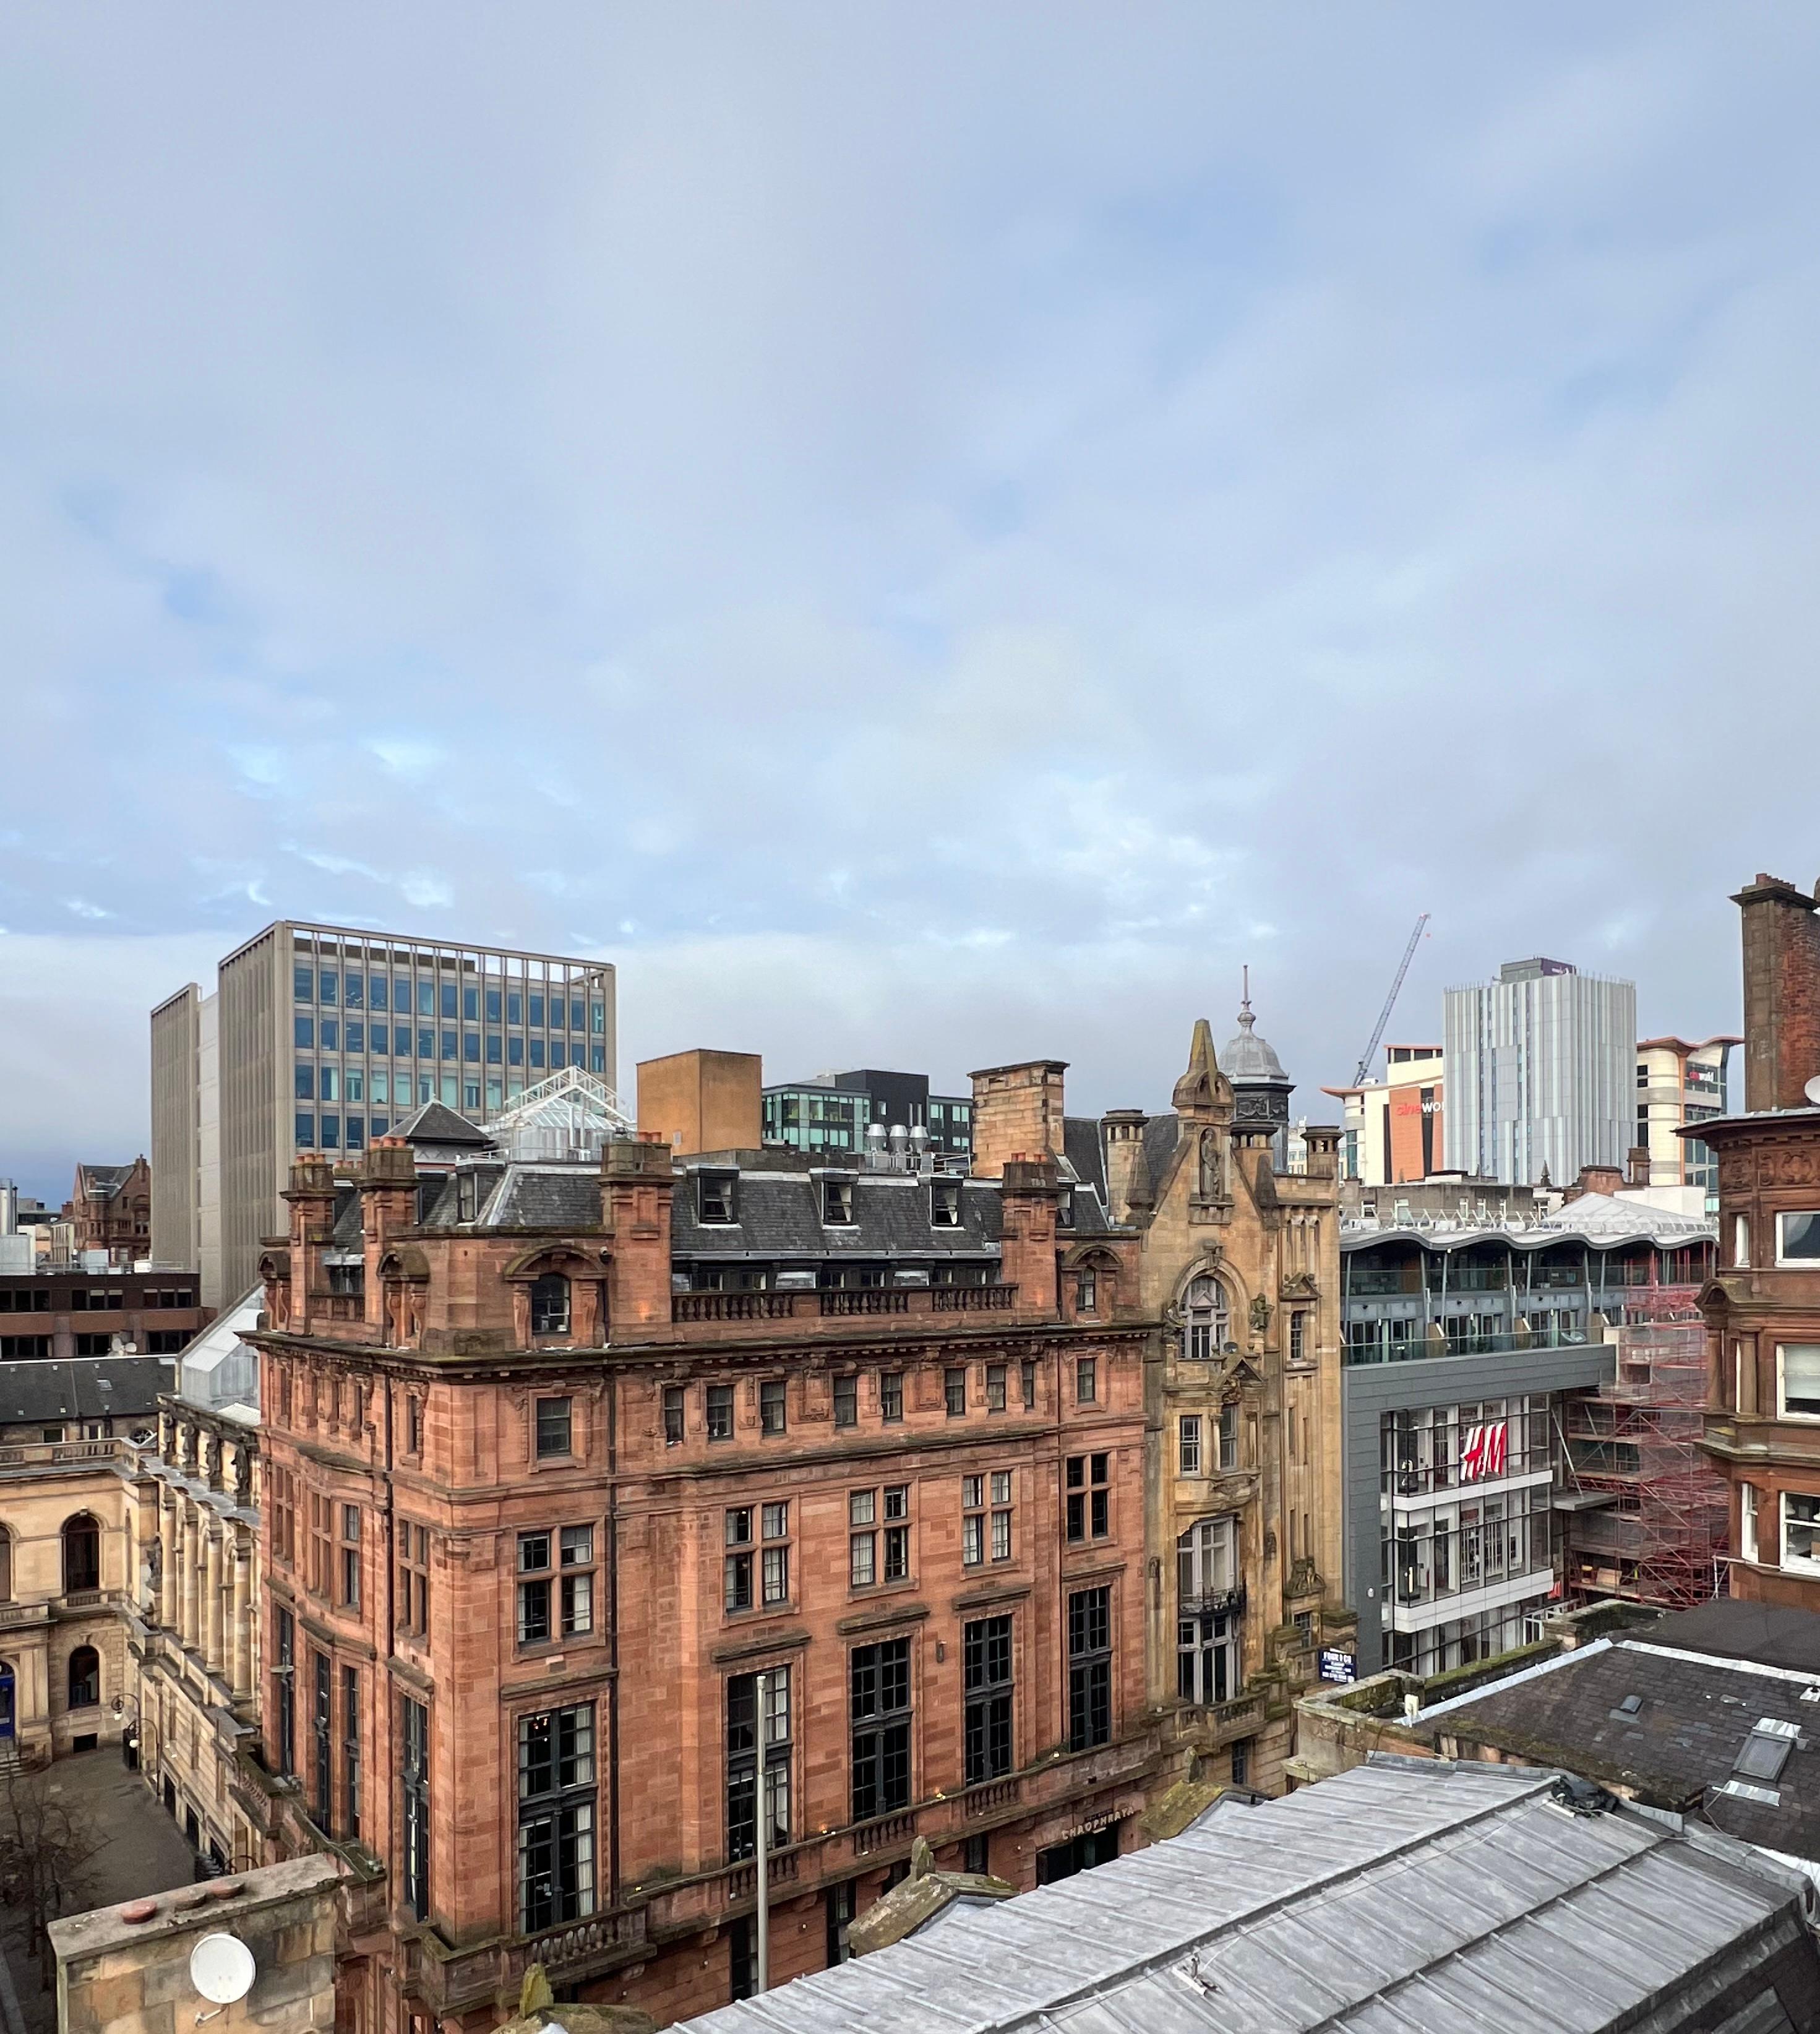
1406, 1897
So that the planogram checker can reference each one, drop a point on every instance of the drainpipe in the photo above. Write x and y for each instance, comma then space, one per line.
761, 1682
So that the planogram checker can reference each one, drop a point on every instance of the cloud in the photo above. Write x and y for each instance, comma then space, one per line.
953, 531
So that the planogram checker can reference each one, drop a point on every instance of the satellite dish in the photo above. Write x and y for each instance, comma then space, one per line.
1812, 1090
222, 1968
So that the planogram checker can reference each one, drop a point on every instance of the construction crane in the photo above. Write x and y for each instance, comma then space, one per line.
1371, 1051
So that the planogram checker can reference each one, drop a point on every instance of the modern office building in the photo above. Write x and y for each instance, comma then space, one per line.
832, 1112
1539, 1068
319, 1038
1679, 1084
1392, 1130
1466, 1345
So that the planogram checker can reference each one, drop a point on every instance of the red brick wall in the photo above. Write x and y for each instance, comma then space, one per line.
655, 1666
1781, 939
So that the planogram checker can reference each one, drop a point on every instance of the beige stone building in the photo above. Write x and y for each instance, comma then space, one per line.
1239, 1263
66, 1548
191, 1631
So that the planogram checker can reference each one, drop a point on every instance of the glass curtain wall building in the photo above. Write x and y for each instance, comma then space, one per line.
1539, 1072
322, 1038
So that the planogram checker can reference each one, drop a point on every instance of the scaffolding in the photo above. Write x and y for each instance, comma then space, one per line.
1649, 1514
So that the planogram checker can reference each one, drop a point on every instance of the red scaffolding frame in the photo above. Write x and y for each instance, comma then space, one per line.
1659, 1535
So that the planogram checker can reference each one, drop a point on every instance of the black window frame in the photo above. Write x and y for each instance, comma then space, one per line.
564, 1812
413, 1788
988, 1688
881, 1715
1089, 1667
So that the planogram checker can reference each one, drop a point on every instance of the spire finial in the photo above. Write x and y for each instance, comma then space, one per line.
1246, 1020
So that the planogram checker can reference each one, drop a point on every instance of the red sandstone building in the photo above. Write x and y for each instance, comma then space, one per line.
110, 1210
560, 1454
1762, 1307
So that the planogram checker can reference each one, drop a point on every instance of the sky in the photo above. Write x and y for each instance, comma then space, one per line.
929, 535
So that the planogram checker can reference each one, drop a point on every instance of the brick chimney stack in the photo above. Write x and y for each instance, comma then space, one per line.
637, 1180
311, 1199
1027, 1238
388, 1203
1781, 931
1017, 1111
1123, 1130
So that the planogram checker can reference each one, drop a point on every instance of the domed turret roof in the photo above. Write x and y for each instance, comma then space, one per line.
1249, 1061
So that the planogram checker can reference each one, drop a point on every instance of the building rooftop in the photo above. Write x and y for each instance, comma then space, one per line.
1404, 1895
87, 1387
1735, 1739
1604, 1221
217, 1370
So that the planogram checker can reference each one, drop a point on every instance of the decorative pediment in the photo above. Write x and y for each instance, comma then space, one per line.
563, 1257
1239, 1374
1300, 1286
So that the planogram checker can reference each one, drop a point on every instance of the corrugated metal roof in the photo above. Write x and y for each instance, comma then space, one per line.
1399, 1897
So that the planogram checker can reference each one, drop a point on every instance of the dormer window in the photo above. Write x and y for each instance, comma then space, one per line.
466, 1196
714, 1196
837, 1201
549, 1305
945, 1203
1065, 1208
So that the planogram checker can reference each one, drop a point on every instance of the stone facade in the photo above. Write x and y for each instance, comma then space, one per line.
110, 1210
535, 1516
126, 1969
1240, 1263
66, 1555
1762, 1305
192, 1630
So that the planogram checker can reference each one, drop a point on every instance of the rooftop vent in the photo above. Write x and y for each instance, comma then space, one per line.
1629, 1710
1581, 1797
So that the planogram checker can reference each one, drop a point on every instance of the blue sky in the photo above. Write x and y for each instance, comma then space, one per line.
928, 534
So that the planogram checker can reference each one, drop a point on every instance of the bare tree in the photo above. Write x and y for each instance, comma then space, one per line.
48, 1845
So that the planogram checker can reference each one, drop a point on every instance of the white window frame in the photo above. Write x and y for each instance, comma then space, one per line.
1188, 1444
1782, 1411
1747, 1520
1794, 1263
1796, 1564
1741, 1242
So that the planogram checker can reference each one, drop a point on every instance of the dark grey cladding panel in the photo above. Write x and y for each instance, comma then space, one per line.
779, 1215
1368, 1390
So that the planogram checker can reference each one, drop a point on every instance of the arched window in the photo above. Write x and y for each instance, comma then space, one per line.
549, 1305
5, 1566
1208, 1318
85, 1678
81, 1553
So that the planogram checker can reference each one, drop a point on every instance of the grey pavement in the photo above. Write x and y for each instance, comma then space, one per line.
143, 1850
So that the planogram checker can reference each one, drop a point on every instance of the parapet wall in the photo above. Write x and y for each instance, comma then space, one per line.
126, 1969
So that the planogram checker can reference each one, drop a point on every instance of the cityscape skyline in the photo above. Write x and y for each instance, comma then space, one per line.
1073, 551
